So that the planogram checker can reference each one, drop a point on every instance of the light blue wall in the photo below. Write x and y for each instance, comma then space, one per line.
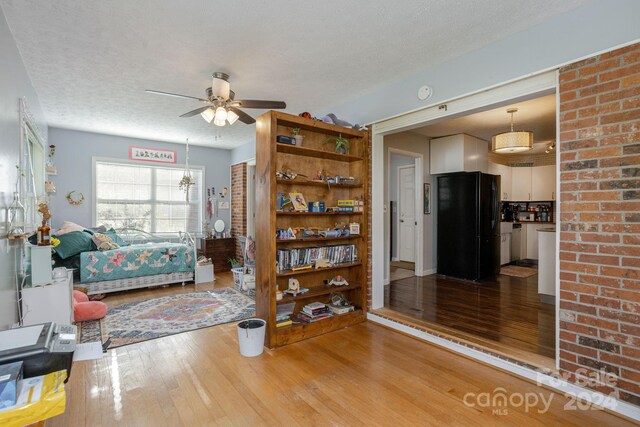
14, 84
243, 153
598, 25
74, 160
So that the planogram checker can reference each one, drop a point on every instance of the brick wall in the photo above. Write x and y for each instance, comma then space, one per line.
600, 220
239, 204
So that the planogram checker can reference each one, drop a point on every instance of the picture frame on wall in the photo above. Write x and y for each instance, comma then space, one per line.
427, 198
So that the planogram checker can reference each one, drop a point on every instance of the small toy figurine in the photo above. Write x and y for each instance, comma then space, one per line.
339, 281
294, 285
322, 263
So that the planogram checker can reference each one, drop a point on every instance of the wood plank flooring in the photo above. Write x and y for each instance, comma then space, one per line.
504, 314
362, 375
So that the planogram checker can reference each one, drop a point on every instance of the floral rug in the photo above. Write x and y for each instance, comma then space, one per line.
158, 317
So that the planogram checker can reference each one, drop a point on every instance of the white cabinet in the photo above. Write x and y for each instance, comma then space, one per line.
547, 265
521, 184
49, 303
532, 239
458, 153
505, 248
543, 183
505, 179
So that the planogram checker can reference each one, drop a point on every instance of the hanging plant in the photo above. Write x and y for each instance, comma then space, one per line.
187, 179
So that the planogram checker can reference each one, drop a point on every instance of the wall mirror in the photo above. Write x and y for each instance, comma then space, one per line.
31, 187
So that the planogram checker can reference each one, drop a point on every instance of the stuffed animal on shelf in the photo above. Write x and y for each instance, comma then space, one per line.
339, 281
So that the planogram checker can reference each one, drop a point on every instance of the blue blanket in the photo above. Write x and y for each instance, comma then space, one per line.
136, 261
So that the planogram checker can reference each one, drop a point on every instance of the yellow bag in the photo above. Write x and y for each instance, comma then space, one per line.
39, 398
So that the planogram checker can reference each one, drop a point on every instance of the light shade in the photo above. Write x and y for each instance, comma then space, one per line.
512, 142
220, 86
208, 114
221, 114
232, 117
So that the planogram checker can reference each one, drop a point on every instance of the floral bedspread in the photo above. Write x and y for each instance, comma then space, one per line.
135, 261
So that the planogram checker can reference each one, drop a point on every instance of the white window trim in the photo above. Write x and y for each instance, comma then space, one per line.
96, 159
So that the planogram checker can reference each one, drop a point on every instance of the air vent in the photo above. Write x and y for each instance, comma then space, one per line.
521, 165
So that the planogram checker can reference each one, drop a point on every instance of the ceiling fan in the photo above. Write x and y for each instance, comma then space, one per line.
221, 107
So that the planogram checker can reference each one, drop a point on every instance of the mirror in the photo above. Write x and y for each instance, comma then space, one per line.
219, 226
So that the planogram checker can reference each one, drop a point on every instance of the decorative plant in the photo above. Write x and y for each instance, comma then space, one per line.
234, 263
295, 131
342, 144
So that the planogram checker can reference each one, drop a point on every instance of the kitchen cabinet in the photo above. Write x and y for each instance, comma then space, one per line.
543, 182
547, 265
505, 179
505, 242
458, 153
521, 184
532, 239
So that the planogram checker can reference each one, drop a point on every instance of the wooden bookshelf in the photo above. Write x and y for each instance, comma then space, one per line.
315, 156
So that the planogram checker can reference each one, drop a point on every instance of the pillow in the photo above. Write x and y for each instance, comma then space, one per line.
72, 243
68, 227
111, 233
100, 229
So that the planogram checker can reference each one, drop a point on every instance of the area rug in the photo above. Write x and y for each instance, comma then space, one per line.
158, 317
518, 271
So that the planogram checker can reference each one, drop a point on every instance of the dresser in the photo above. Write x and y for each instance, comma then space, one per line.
219, 250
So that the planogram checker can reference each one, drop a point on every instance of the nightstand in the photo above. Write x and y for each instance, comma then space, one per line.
52, 302
219, 250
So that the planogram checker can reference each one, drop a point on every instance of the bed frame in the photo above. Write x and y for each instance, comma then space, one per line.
134, 236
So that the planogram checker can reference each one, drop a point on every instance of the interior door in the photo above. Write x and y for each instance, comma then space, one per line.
406, 213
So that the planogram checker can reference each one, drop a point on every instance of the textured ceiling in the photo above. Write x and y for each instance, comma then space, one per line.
90, 61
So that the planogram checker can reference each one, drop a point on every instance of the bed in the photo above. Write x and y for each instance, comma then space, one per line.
142, 260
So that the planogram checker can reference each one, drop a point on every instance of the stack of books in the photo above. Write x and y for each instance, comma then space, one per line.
314, 311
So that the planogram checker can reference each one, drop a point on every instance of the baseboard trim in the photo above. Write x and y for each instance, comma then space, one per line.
428, 272
542, 379
395, 259
387, 281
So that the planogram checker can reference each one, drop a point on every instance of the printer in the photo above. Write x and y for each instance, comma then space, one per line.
42, 348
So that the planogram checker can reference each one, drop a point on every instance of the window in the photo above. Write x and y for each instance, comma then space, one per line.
146, 197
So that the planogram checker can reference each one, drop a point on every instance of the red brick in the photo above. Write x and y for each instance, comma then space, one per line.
599, 195
599, 323
620, 360
620, 250
624, 273
599, 67
578, 124
599, 259
600, 280
580, 206
624, 116
630, 81
629, 92
579, 349
580, 308
620, 338
568, 336
578, 328
599, 153
601, 88
599, 237
600, 217
578, 103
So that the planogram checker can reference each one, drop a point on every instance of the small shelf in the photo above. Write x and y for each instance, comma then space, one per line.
317, 213
316, 270
319, 291
288, 120
318, 239
300, 331
310, 152
316, 184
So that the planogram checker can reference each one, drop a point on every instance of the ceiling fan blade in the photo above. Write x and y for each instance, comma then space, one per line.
157, 92
242, 116
195, 112
254, 103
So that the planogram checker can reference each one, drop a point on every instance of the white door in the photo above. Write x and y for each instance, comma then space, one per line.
406, 213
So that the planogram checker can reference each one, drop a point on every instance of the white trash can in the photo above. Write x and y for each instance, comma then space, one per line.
251, 337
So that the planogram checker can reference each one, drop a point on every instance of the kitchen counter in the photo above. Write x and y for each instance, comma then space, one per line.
547, 265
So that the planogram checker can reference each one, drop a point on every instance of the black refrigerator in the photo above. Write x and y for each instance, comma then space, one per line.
468, 225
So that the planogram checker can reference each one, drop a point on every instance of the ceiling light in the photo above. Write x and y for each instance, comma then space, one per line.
232, 117
221, 114
513, 141
208, 114
220, 85
550, 147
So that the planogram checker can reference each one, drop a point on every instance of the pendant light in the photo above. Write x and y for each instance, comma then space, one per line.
512, 141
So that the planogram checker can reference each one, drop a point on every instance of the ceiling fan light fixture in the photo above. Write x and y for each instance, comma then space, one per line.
221, 114
220, 85
232, 117
512, 141
208, 114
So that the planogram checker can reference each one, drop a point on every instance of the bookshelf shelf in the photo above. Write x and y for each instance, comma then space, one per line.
315, 157
318, 270
319, 291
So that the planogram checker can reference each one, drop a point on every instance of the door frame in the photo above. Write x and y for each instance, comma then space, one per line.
418, 163
251, 202
493, 97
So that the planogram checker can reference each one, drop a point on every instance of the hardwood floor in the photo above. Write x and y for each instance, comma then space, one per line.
504, 315
396, 273
362, 375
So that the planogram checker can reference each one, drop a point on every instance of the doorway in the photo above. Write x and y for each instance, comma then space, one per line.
430, 299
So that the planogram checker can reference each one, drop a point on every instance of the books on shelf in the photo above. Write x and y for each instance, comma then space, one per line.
313, 312
296, 292
294, 258
341, 309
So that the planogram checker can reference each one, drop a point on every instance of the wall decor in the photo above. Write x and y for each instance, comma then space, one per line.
427, 198
152, 155
75, 198
223, 204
